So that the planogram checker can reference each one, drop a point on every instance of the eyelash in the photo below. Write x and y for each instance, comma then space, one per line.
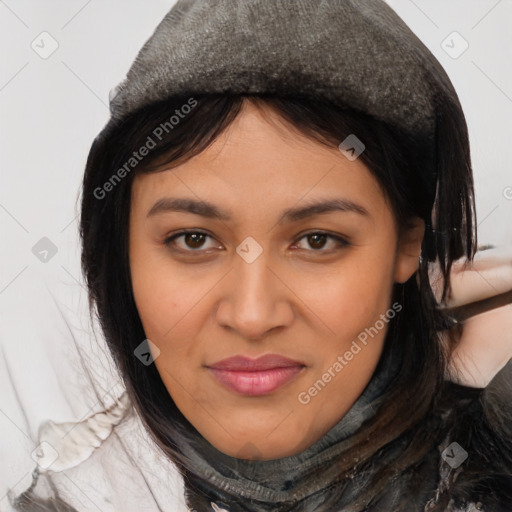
343, 243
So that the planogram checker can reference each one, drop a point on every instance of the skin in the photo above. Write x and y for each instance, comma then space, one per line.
303, 298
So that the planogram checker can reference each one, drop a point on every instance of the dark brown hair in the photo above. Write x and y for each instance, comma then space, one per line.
398, 164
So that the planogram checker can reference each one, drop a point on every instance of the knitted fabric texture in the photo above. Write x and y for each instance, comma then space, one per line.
351, 53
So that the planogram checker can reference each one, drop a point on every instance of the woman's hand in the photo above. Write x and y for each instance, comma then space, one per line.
481, 300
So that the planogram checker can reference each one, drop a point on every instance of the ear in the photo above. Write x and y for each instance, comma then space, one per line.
409, 249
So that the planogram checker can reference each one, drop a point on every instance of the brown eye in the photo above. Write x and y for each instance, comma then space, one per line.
318, 240
192, 241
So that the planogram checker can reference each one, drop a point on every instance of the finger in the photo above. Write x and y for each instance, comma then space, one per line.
474, 285
489, 258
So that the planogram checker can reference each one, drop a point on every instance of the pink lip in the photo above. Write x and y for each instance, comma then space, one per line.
255, 377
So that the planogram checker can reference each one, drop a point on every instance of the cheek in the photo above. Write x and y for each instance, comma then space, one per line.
165, 301
158, 292
169, 311
172, 302
350, 298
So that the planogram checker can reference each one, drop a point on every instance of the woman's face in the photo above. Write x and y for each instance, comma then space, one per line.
262, 272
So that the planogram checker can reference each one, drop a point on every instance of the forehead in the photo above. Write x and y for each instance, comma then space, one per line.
258, 162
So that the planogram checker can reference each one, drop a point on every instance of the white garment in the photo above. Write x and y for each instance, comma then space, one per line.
42, 378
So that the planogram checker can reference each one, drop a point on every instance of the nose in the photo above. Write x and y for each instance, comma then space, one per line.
255, 300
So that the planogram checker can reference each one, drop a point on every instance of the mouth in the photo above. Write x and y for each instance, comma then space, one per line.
255, 377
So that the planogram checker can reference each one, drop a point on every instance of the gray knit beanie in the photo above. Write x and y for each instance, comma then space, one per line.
351, 53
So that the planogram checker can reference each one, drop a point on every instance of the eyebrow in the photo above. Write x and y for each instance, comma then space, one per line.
211, 211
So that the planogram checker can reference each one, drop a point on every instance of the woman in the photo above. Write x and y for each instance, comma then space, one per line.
261, 219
